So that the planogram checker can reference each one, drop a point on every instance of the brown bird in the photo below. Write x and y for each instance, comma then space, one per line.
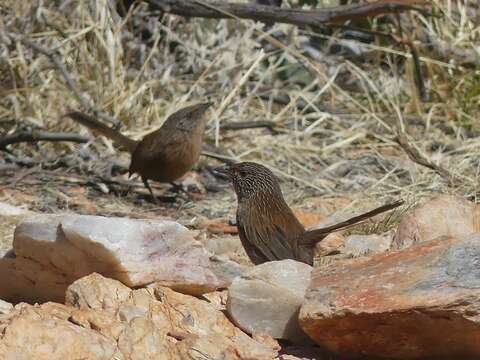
165, 154
267, 227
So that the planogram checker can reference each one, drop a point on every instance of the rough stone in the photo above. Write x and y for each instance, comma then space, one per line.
353, 245
332, 244
7, 210
423, 301
443, 215
223, 245
52, 251
45, 333
5, 307
30, 281
266, 299
357, 245
180, 324
104, 319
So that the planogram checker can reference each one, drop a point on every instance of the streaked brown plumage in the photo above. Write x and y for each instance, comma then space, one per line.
165, 154
267, 226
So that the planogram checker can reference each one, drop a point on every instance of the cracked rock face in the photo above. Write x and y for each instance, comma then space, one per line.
104, 319
52, 251
423, 301
266, 299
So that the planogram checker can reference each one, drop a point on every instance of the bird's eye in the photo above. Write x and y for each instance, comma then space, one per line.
242, 173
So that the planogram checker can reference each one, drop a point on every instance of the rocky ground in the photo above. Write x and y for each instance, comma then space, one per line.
95, 287
92, 269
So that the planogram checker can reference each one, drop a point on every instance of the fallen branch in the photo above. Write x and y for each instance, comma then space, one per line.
36, 136
248, 125
417, 157
271, 14
54, 59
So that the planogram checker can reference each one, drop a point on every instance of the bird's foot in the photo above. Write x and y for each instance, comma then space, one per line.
184, 191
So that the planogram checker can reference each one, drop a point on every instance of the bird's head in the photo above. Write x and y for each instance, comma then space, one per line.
188, 118
250, 179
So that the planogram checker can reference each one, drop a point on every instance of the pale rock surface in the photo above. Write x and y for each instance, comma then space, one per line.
266, 299
332, 244
217, 299
165, 321
420, 302
7, 210
5, 307
10, 216
104, 319
5, 310
223, 245
30, 281
358, 245
52, 251
45, 333
353, 245
443, 215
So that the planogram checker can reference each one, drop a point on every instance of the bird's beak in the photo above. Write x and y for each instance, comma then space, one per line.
201, 108
223, 172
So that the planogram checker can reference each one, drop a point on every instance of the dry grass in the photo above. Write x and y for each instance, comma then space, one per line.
140, 69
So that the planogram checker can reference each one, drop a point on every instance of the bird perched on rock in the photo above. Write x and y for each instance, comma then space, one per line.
165, 154
267, 227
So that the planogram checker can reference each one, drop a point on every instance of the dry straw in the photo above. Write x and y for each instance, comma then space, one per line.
337, 117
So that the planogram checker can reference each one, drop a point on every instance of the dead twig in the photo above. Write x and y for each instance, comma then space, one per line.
272, 14
249, 125
55, 60
36, 136
415, 155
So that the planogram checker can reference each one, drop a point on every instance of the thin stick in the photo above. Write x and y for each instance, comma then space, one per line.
420, 159
249, 125
35, 136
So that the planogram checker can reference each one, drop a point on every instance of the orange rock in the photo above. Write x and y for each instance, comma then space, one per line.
420, 302
308, 218
217, 227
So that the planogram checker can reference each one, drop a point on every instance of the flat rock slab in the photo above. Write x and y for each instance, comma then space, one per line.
52, 251
266, 299
423, 301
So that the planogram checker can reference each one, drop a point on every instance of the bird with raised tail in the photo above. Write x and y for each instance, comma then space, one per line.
165, 154
267, 227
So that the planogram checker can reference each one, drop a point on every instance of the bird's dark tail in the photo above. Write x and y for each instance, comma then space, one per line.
97, 126
311, 237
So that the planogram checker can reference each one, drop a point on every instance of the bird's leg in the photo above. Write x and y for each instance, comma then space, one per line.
147, 185
177, 187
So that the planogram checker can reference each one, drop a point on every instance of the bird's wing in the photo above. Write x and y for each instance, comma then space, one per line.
256, 256
268, 236
162, 144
